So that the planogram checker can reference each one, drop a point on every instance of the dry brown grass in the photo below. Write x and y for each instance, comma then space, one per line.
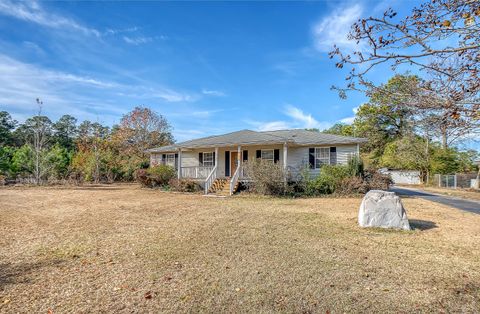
126, 249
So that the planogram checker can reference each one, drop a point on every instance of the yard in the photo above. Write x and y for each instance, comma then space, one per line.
121, 248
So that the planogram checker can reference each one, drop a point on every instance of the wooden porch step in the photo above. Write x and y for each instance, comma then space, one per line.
221, 187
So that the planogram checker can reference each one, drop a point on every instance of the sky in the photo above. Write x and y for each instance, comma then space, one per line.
208, 67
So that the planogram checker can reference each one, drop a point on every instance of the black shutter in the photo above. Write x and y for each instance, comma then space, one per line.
227, 163
214, 159
276, 155
259, 154
200, 159
311, 157
176, 161
245, 155
164, 159
333, 155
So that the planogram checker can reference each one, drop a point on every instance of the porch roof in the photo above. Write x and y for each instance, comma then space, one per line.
296, 137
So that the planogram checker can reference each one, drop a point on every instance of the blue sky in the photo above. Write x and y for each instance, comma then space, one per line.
207, 67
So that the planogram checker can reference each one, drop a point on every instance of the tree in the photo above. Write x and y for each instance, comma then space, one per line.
407, 153
39, 131
341, 129
7, 124
141, 129
90, 145
386, 117
428, 38
65, 131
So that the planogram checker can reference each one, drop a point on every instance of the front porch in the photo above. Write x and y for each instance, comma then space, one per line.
224, 164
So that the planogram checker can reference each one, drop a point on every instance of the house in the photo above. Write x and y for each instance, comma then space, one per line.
219, 158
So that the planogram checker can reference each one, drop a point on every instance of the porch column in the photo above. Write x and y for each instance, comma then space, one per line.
216, 161
285, 158
179, 163
239, 152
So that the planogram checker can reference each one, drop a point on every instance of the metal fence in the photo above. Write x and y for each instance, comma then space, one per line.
453, 181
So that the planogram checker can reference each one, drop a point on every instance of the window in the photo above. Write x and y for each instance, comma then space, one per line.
208, 159
170, 160
322, 156
156, 159
268, 155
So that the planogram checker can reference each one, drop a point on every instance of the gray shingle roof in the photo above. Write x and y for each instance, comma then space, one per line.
248, 137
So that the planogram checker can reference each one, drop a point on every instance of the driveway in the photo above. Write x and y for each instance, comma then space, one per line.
459, 203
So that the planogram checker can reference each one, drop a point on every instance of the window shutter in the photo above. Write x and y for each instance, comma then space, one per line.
259, 154
164, 159
311, 157
227, 163
176, 161
245, 155
333, 155
214, 159
200, 159
276, 155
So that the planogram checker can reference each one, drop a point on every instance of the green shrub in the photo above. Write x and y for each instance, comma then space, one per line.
184, 185
161, 175
327, 181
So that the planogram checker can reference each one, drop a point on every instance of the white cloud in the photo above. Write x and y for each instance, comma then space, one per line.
301, 118
350, 120
213, 92
82, 96
334, 28
31, 11
274, 125
137, 40
298, 120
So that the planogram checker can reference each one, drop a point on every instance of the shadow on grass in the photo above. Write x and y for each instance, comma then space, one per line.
417, 224
20, 273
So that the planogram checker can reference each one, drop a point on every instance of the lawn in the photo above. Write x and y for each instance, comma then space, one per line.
125, 249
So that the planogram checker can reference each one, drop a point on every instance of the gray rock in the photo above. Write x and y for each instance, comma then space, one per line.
382, 209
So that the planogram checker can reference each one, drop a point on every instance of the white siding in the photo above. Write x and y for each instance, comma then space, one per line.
297, 157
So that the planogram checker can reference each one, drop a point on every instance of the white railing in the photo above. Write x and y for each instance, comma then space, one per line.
195, 172
210, 179
234, 179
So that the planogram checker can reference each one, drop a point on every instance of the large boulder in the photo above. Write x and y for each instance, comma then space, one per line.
382, 209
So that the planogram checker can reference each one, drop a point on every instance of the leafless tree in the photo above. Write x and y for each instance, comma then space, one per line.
40, 130
434, 33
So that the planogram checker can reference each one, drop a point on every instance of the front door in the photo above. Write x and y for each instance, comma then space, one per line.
233, 162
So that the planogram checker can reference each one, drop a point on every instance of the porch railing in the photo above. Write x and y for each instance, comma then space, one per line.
196, 172
234, 179
210, 179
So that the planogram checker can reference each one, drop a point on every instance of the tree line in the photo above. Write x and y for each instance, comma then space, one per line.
40, 150
415, 122
402, 135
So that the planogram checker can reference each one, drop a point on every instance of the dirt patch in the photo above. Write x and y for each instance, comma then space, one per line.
127, 249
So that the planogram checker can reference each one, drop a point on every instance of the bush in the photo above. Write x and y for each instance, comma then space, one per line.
155, 176
327, 181
184, 185
352, 185
161, 174
266, 177
377, 181
143, 178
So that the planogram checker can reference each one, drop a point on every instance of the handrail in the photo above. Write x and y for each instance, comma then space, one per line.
210, 179
234, 179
